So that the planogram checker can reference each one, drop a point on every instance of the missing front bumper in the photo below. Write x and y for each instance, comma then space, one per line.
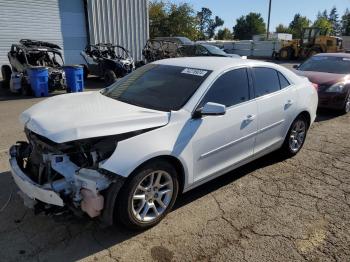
29, 187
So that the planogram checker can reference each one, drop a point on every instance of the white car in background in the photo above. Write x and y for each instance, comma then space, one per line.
124, 153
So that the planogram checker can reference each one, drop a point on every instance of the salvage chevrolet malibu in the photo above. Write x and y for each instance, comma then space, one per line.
124, 153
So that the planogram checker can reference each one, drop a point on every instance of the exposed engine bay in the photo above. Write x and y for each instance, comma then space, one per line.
71, 170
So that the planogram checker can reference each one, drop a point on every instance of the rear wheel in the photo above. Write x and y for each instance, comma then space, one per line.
296, 136
346, 108
6, 75
148, 196
110, 77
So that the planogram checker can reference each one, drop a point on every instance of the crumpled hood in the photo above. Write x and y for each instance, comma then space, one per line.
77, 116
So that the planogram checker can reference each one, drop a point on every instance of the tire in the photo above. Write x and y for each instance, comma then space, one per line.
6, 76
286, 53
346, 108
110, 77
314, 51
25, 89
85, 71
289, 147
140, 214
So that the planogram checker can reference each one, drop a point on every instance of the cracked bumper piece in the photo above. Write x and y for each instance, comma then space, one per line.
29, 187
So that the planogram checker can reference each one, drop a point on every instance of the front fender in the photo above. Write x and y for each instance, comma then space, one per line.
164, 141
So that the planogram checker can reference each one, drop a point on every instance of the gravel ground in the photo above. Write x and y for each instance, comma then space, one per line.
270, 210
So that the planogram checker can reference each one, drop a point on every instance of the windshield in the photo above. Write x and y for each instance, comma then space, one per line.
215, 50
159, 87
327, 64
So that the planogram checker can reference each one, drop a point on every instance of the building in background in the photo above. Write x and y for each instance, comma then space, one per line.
72, 24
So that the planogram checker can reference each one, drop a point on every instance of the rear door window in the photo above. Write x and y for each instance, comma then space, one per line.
266, 81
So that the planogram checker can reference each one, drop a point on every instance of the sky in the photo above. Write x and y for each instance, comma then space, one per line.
282, 11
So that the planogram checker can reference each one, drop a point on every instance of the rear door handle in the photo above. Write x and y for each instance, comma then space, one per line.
289, 102
250, 117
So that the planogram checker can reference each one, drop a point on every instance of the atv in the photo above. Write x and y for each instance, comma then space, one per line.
31, 53
108, 61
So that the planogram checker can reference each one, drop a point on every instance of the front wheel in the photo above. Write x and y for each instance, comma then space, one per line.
110, 77
149, 195
6, 75
296, 136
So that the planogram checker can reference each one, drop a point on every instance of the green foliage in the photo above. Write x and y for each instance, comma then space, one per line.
169, 19
206, 24
345, 22
172, 20
215, 23
224, 34
334, 19
204, 18
283, 29
324, 24
298, 24
182, 21
158, 19
249, 25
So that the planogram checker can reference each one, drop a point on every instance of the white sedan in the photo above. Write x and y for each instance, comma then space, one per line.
126, 152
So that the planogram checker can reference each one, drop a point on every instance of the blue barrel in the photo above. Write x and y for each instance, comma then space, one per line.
39, 80
74, 78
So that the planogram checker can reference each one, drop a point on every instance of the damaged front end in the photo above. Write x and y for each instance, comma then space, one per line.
64, 175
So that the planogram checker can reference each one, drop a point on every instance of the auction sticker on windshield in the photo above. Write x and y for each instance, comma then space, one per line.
196, 72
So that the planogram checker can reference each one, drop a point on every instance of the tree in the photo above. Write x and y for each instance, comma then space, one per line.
249, 25
182, 21
283, 29
334, 19
324, 14
158, 19
204, 17
345, 21
206, 24
172, 20
215, 23
298, 24
324, 24
224, 34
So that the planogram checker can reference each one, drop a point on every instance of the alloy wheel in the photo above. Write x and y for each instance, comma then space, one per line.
152, 196
297, 135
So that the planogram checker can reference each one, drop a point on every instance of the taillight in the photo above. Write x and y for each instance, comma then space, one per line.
315, 86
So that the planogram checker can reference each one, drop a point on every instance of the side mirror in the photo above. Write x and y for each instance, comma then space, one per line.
210, 109
296, 66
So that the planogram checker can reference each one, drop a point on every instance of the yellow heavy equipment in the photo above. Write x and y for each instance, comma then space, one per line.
314, 41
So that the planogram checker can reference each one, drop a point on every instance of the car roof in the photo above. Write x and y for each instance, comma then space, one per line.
211, 63
346, 55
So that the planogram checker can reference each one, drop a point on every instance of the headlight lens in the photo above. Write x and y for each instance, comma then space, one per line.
336, 88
